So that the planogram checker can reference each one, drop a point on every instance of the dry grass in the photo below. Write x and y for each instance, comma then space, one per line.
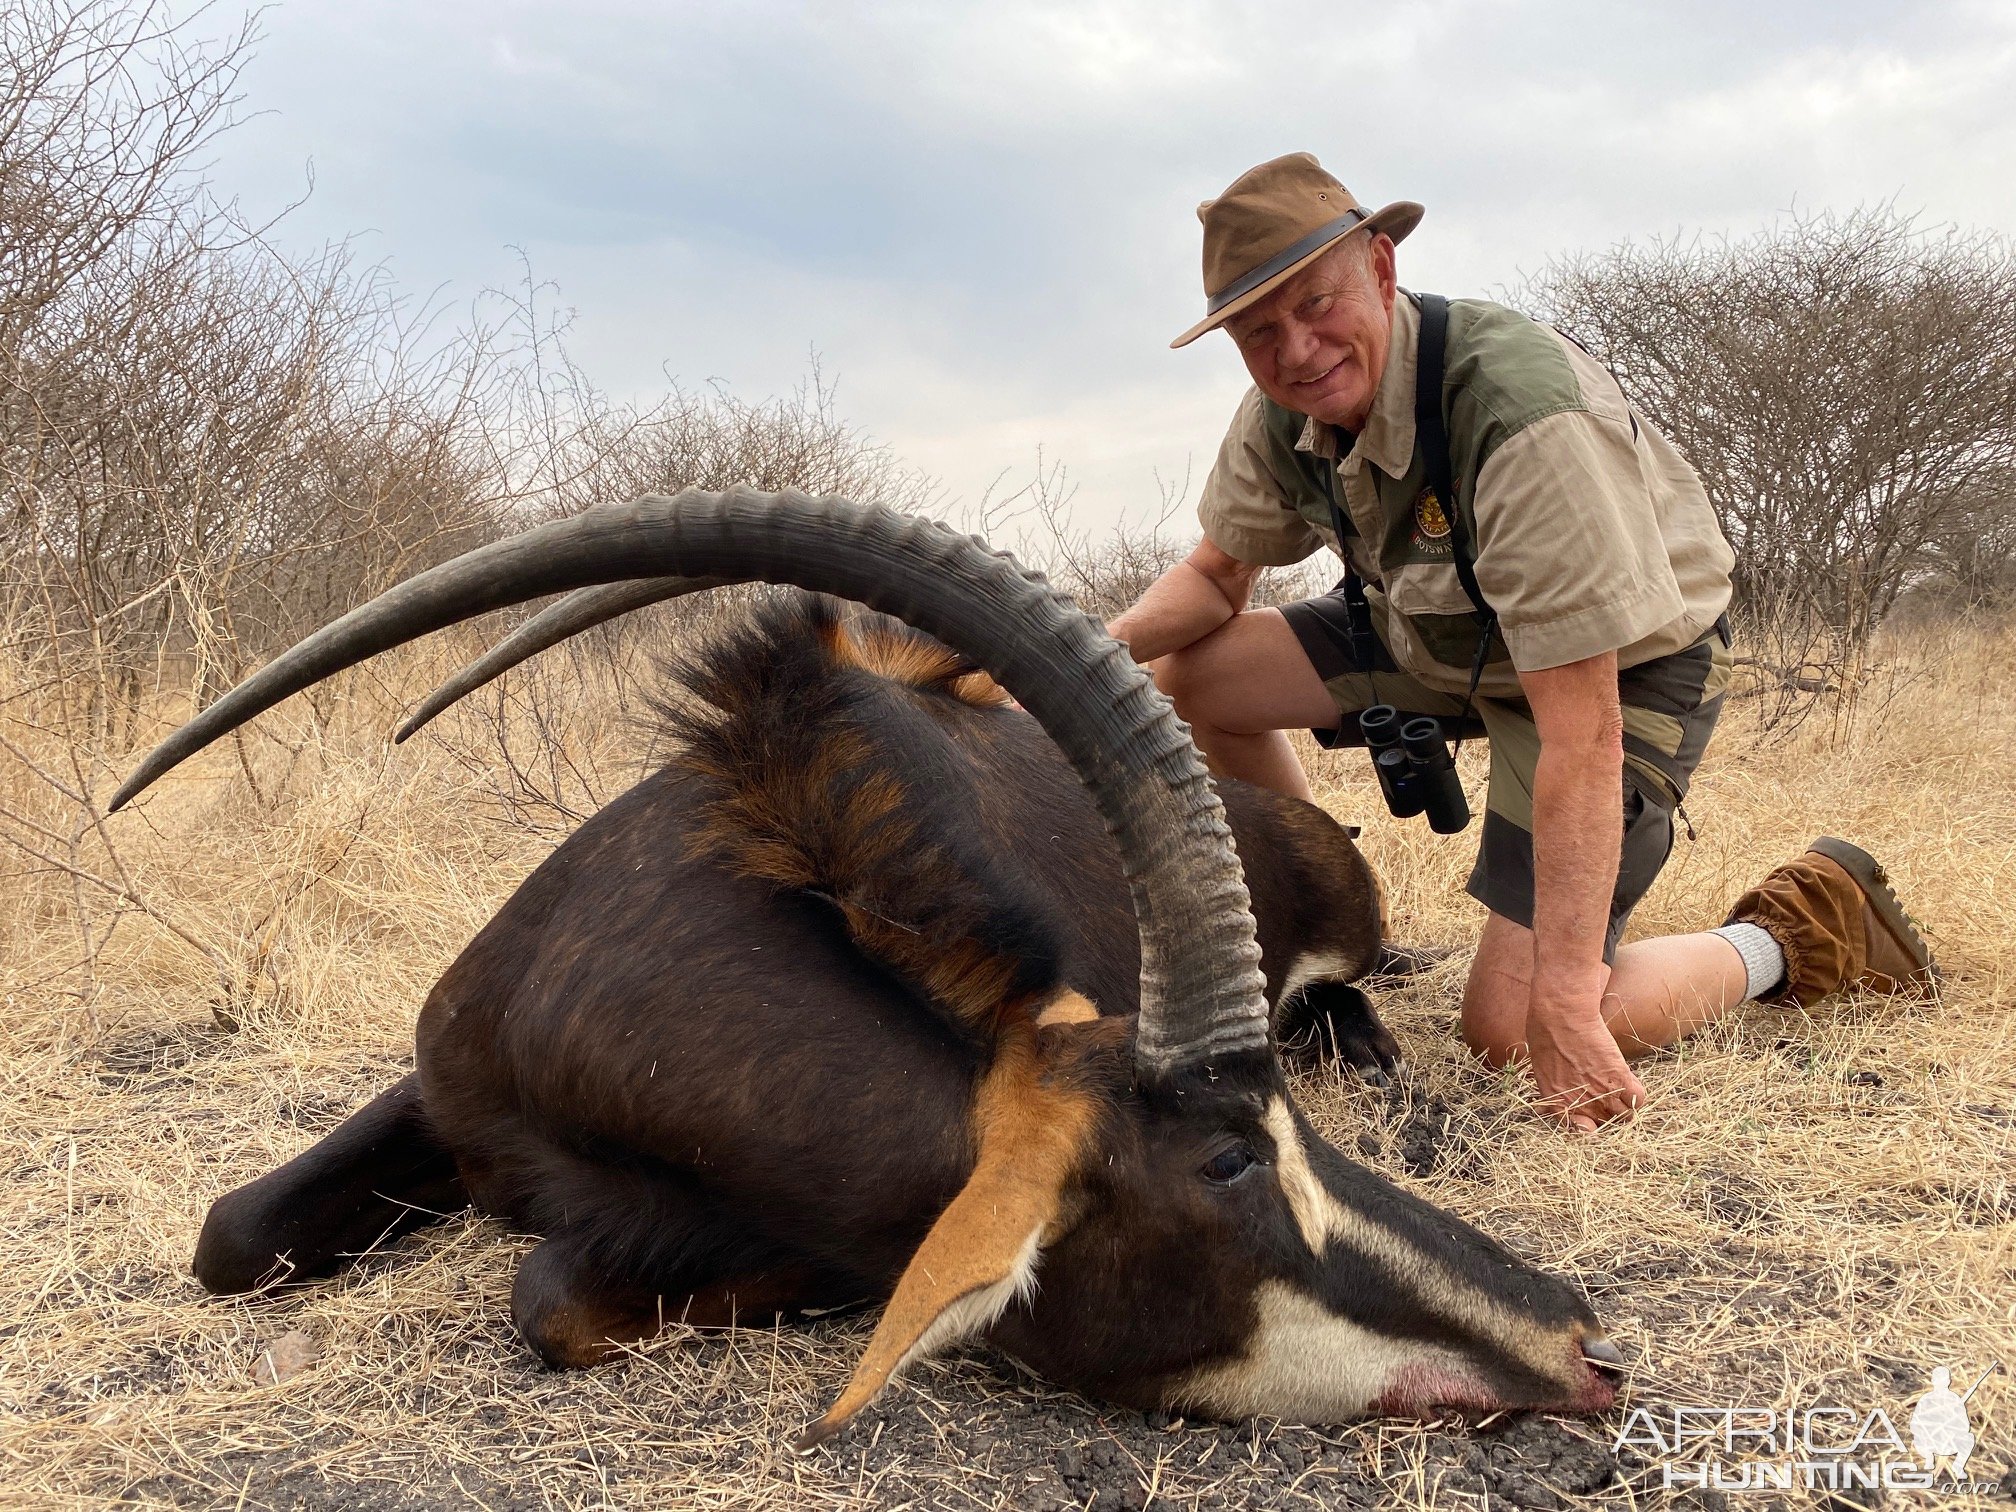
1812, 1206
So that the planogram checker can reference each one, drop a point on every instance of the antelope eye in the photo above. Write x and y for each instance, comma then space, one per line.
1229, 1164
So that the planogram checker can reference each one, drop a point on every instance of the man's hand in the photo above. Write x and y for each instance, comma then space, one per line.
1578, 834
1581, 1073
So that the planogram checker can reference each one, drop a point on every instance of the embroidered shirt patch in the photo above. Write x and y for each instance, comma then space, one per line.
1429, 519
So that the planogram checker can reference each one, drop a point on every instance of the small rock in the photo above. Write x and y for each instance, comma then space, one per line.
284, 1358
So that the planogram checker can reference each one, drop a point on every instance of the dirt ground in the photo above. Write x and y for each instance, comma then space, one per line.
1815, 1209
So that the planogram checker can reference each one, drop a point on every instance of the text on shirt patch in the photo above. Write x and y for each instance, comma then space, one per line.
1431, 522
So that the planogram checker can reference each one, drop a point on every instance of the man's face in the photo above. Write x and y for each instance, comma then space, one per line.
1317, 345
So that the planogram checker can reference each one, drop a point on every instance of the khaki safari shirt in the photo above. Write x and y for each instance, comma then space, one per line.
1591, 533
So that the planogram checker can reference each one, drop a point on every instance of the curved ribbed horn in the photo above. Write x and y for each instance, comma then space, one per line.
579, 611
1201, 1003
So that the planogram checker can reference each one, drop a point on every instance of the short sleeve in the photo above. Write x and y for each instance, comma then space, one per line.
1570, 549
1244, 509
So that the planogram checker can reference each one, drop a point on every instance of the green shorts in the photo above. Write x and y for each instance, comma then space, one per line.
1670, 707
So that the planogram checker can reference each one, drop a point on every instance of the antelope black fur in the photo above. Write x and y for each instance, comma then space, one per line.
854, 998
719, 1046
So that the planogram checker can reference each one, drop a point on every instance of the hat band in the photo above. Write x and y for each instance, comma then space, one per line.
1287, 257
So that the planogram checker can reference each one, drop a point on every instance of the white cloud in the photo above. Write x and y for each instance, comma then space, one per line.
981, 213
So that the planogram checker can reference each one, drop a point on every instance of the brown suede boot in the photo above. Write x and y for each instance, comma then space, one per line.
1833, 914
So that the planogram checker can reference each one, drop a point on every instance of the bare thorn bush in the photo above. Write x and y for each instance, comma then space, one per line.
208, 447
1844, 385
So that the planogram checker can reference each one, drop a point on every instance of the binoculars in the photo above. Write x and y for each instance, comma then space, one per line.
1415, 770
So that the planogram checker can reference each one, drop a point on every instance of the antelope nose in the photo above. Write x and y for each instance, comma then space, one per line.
1598, 1350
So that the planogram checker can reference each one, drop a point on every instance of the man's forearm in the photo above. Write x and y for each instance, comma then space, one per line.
1578, 839
1578, 830
1179, 608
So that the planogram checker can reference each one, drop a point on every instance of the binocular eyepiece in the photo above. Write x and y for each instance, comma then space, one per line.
1415, 771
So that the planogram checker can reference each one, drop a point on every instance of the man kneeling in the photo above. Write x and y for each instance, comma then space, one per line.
1526, 559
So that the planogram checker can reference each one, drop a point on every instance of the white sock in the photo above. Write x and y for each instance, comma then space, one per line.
1763, 960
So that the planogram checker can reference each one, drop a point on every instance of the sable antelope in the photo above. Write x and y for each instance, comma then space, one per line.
904, 1092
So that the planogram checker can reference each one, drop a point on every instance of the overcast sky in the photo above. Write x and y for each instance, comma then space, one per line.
981, 216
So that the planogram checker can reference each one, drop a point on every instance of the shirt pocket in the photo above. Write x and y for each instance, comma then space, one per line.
1427, 588
1430, 596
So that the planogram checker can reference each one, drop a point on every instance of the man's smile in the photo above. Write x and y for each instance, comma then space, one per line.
1334, 382
1325, 380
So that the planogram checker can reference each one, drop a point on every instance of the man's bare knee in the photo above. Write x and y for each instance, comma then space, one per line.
1248, 677
1495, 1052
1495, 1034
1179, 676
1186, 678
1496, 995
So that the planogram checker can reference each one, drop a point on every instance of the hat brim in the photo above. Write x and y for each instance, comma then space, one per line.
1396, 220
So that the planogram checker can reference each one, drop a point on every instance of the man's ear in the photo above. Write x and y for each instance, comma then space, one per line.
1380, 258
982, 1252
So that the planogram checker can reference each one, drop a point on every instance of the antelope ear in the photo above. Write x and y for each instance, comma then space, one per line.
981, 1254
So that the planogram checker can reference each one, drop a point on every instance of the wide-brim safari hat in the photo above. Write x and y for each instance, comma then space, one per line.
1270, 224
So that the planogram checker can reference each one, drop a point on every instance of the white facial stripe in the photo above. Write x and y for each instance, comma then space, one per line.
1322, 1218
978, 1309
1317, 1214
1304, 1364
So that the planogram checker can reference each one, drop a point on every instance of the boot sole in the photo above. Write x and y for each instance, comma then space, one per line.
1875, 882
